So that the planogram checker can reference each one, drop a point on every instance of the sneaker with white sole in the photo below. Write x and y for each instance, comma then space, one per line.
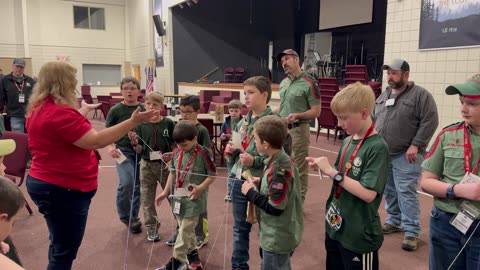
173, 264
201, 242
152, 235
171, 242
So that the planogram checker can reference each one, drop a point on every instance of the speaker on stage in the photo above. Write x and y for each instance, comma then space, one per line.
157, 21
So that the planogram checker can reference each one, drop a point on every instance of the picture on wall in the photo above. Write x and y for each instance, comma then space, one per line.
449, 24
158, 40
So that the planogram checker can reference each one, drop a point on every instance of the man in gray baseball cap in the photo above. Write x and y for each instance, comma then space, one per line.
15, 91
406, 116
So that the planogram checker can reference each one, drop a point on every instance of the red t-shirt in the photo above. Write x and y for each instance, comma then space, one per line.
52, 130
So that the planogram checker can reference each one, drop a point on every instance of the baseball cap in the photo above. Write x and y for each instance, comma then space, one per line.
286, 52
470, 88
7, 146
19, 62
397, 64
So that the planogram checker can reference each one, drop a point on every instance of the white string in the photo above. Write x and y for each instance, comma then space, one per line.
135, 171
320, 173
461, 250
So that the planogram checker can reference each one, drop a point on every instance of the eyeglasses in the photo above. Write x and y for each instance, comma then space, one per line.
131, 89
185, 112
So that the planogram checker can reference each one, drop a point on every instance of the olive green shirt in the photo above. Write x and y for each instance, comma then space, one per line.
361, 229
247, 124
2, 126
280, 183
119, 113
203, 136
446, 160
155, 137
298, 95
201, 166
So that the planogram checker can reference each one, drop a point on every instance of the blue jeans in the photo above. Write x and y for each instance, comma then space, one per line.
128, 185
241, 228
274, 261
446, 242
66, 213
401, 197
17, 124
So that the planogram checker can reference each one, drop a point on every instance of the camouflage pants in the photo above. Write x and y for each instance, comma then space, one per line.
151, 173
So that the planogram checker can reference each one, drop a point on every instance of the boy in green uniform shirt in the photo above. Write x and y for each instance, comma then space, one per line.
353, 228
279, 197
257, 92
192, 171
128, 176
450, 174
153, 140
188, 109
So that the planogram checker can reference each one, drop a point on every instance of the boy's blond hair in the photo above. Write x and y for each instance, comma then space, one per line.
155, 97
235, 104
353, 98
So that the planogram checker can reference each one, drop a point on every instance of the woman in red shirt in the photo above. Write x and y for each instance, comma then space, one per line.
63, 176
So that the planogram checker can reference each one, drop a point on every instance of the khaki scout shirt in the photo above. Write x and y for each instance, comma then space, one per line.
446, 160
298, 95
201, 167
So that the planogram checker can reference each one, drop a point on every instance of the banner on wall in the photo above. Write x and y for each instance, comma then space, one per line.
158, 40
449, 24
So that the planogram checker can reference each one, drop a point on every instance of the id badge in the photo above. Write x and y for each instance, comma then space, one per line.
465, 217
176, 207
470, 178
21, 98
390, 102
238, 173
155, 155
333, 217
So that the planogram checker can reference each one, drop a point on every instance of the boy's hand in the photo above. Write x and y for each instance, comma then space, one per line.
113, 152
4, 247
256, 181
133, 137
246, 159
321, 163
160, 198
246, 187
194, 191
223, 136
230, 148
167, 156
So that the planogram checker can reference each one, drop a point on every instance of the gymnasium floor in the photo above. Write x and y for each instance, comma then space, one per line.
107, 247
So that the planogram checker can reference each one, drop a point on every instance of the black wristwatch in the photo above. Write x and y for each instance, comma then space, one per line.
338, 178
450, 193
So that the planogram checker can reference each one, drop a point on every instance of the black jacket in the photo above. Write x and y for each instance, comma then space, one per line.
9, 94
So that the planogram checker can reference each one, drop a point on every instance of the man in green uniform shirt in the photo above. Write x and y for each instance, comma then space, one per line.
299, 103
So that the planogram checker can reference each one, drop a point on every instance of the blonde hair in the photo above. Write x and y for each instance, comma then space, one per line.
235, 104
155, 97
56, 79
353, 98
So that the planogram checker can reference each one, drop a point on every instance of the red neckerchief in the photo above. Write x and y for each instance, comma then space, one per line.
181, 179
467, 151
348, 165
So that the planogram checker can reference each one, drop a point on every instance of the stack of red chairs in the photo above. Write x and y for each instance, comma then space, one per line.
359, 73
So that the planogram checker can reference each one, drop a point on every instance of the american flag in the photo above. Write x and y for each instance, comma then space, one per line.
150, 78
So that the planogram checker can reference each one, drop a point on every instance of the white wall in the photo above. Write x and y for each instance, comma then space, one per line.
434, 70
11, 38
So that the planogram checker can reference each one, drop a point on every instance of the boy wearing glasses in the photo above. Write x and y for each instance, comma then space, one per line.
188, 109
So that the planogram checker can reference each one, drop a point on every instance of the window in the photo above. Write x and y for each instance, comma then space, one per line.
89, 17
94, 74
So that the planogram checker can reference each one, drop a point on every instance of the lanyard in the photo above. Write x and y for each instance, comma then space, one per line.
20, 89
245, 141
467, 151
348, 165
154, 135
408, 88
268, 166
181, 179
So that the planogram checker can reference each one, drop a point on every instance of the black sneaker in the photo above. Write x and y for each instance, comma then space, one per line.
171, 242
173, 264
201, 242
135, 226
152, 235
194, 262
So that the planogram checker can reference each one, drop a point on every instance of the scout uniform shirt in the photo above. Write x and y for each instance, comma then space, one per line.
158, 137
298, 95
246, 124
119, 113
203, 136
446, 159
361, 229
200, 166
281, 234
